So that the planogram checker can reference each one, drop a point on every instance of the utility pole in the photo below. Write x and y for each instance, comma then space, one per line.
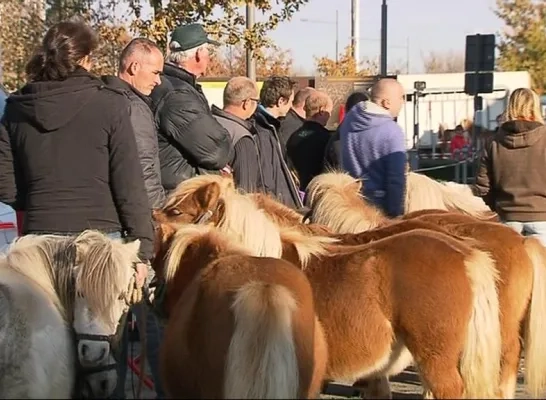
337, 37
407, 55
355, 30
250, 61
383, 69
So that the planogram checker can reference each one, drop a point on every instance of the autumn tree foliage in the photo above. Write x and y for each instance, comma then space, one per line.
223, 18
29, 19
345, 66
231, 61
22, 29
100, 14
522, 45
443, 62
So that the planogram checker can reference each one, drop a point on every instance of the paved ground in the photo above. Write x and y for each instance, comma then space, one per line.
404, 386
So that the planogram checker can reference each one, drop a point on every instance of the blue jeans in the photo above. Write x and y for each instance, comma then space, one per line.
535, 229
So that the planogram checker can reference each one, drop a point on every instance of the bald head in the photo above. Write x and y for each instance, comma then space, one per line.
298, 105
140, 65
389, 94
241, 97
318, 107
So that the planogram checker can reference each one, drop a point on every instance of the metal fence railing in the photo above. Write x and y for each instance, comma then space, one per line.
461, 162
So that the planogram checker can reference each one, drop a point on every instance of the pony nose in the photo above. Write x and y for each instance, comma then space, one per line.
93, 352
101, 385
106, 387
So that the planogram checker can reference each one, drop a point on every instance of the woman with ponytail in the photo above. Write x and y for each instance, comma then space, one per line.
68, 157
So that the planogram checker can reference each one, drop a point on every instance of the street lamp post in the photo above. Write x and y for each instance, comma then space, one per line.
336, 23
337, 36
383, 70
250, 61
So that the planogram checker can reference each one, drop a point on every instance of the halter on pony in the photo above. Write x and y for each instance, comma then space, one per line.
67, 259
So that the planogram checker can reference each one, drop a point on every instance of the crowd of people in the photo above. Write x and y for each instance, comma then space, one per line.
79, 151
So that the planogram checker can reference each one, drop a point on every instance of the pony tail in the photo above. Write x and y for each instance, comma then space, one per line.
262, 361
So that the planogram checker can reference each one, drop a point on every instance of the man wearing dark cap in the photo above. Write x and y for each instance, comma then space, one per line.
190, 139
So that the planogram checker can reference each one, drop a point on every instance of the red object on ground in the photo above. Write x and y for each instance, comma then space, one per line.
341, 112
134, 365
20, 218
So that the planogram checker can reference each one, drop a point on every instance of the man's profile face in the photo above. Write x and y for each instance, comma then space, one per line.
147, 72
394, 101
285, 105
250, 105
202, 58
398, 102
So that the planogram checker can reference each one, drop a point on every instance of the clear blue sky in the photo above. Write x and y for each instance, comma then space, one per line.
430, 25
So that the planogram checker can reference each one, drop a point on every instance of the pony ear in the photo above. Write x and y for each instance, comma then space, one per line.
207, 196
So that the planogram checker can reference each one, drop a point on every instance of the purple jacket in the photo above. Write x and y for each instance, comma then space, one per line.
373, 148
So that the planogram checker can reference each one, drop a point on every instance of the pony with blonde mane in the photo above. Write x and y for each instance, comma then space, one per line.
55, 290
520, 261
422, 193
378, 294
340, 188
283, 215
239, 326
189, 202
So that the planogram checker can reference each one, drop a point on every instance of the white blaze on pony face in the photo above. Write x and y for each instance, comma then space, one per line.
95, 350
104, 280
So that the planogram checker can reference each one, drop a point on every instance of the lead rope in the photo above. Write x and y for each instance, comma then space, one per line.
134, 296
143, 350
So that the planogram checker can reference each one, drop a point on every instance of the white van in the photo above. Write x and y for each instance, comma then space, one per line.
8, 226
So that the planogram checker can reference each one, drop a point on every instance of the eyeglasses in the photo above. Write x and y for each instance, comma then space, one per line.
253, 99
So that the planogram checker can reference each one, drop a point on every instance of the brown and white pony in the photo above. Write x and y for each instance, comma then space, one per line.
239, 327
417, 295
521, 263
422, 193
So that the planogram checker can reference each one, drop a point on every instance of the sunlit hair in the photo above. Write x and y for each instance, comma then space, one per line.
315, 103
524, 104
63, 48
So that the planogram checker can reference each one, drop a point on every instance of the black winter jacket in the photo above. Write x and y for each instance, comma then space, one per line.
75, 162
332, 153
145, 130
277, 178
305, 149
289, 124
190, 139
